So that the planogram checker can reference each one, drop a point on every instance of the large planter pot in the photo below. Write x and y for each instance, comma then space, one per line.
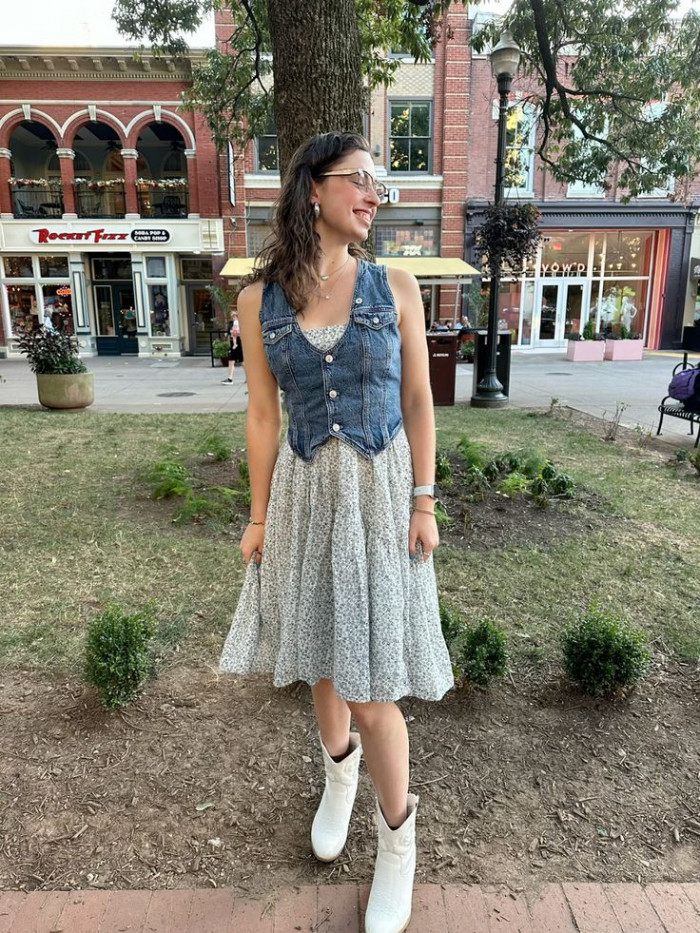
73, 390
585, 351
623, 349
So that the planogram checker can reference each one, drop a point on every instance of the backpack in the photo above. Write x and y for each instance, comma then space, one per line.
682, 386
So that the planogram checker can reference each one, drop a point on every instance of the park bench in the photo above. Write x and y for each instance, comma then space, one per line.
674, 409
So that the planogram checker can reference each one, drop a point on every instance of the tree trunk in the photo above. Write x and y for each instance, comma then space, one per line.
317, 70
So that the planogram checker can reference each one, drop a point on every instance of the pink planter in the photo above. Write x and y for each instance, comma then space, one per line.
585, 351
623, 349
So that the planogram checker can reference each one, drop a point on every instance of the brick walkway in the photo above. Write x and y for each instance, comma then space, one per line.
553, 908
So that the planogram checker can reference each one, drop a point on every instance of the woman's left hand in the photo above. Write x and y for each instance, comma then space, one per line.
422, 528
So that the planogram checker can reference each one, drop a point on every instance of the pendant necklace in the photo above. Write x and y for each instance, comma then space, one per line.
324, 278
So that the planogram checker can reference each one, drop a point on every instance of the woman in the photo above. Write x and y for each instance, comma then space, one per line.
340, 589
235, 348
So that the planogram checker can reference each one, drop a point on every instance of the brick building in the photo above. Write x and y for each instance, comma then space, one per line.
601, 259
433, 138
109, 201
417, 134
116, 212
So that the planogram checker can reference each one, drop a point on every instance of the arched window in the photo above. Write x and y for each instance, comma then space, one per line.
175, 165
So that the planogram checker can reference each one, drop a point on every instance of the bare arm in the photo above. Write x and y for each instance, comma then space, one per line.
416, 402
264, 417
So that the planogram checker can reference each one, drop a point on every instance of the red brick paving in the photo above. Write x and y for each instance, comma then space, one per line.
550, 908
632, 909
591, 908
674, 907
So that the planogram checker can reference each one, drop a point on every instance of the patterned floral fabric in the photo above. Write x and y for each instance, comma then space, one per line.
336, 594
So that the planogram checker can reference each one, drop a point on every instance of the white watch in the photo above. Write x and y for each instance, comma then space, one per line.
429, 490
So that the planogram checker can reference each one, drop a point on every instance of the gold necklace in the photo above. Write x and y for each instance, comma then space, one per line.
324, 278
330, 294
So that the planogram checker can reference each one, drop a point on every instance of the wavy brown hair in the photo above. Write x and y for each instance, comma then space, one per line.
291, 258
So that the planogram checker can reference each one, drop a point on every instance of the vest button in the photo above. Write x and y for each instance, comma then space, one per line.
329, 357
333, 393
358, 301
272, 335
375, 320
336, 427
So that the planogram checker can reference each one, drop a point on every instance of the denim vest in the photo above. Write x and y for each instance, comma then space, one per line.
350, 391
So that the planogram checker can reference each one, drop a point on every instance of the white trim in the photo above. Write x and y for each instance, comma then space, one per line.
261, 180
150, 112
20, 110
104, 103
80, 114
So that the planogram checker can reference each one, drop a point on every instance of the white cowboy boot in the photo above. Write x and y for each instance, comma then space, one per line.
389, 905
330, 826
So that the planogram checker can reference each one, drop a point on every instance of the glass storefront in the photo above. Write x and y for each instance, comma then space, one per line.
38, 292
577, 276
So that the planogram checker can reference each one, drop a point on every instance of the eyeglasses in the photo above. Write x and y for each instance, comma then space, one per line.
362, 179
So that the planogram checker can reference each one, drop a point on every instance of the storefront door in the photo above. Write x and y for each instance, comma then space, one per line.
200, 314
116, 320
561, 306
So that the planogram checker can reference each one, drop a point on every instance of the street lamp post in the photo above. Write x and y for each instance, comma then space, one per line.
505, 58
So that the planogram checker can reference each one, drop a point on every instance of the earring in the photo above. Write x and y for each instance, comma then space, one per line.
317, 210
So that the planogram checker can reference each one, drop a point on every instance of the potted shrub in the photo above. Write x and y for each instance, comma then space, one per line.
624, 346
466, 350
219, 348
586, 347
62, 379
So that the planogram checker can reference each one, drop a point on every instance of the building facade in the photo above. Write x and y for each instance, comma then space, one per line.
617, 264
110, 219
417, 135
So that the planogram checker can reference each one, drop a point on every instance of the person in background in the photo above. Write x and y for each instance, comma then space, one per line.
235, 347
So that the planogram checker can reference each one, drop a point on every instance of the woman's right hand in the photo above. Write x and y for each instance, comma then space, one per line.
251, 545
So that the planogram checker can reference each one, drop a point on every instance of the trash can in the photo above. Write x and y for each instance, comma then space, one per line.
502, 358
442, 354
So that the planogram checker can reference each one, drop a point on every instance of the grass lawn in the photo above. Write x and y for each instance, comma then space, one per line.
79, 528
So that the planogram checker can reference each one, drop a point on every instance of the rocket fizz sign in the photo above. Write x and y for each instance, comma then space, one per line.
98, 236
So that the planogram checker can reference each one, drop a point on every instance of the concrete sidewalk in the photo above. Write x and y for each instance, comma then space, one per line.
191, 384
553, 908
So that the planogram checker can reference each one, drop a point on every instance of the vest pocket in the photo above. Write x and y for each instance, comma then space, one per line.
375, 318
272, 333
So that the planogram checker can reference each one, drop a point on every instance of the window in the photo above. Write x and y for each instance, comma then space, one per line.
160, 311
44, 297
653, 113
520, 148
257, 235
18, 267
198, 270
53, 267
155, 267
409, 136
266, 152
175, 165
404, 240
584, 189
58, 307
24, 316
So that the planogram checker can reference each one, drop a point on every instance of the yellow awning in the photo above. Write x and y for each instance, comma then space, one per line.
423, 267
432, 267
238, 266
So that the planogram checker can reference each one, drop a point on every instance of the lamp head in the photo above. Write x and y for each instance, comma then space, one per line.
505, 57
